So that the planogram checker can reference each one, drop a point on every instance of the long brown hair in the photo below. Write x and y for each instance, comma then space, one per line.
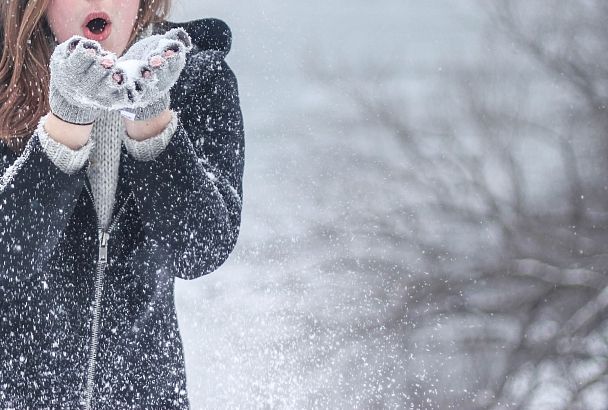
27, 43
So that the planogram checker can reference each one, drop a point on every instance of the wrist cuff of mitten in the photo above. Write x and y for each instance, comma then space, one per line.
149, 149
65, 158
151, 110
71, 113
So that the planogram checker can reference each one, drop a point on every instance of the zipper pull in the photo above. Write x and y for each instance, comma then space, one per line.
104, 237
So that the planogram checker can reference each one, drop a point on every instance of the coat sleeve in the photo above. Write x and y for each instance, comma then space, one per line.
37, 199
190, 195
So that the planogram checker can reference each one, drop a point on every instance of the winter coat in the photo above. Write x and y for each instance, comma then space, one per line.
86, 314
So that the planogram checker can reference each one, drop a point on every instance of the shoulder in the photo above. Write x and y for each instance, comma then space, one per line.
207, 82
210, 34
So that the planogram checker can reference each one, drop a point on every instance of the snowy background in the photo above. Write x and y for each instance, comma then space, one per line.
423, 221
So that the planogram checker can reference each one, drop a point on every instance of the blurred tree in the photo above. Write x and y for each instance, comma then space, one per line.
495, 243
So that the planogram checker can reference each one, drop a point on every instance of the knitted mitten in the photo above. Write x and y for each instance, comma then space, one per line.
151, 66
83, 80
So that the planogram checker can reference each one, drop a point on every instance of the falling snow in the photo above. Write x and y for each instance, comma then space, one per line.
422, 224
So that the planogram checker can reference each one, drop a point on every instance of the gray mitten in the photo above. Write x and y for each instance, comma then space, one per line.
83, 80
150, 68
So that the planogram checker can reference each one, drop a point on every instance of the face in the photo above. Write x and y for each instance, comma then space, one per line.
109, 22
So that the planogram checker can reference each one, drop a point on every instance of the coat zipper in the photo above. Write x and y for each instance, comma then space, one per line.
102, 262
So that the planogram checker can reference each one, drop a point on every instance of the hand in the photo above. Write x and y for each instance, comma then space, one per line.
150, 68
83, 81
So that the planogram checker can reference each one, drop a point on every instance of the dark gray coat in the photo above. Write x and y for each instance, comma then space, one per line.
75, 327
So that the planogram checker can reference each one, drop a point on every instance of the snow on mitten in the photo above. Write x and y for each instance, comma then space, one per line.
151, 66
83, 80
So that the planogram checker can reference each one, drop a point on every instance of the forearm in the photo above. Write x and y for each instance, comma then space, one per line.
67, 145
185, 209
70, 135
38, 199
76, 136
142, 130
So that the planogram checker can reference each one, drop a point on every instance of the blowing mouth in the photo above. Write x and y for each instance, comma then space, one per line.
97, 26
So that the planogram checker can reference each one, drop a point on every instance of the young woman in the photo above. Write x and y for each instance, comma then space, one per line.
121, 163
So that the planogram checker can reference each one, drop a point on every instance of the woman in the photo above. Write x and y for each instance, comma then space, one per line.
105, 202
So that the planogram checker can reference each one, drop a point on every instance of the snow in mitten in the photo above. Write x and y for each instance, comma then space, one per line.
151, 66
83, 80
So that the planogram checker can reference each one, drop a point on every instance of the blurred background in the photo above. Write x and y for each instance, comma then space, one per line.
425, 209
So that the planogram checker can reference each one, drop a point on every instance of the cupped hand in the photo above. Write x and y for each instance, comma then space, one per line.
150, 68
84, 80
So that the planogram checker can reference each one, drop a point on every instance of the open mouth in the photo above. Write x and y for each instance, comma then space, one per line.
97, 26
